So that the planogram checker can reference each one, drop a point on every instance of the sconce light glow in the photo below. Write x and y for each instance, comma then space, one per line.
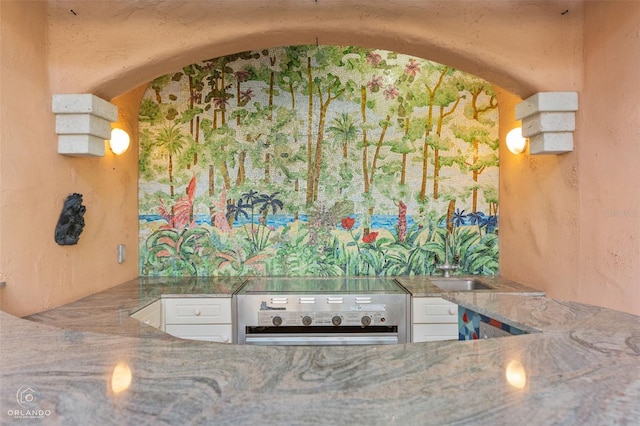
119, 141
515, 141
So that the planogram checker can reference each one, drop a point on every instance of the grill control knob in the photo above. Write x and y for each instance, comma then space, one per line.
336, 320
366, 320
277, 321
306, 320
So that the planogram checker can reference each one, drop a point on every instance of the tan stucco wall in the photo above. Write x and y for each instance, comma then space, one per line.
548, 216
109, 47
35, 180
609, 158
570, 224
539, 214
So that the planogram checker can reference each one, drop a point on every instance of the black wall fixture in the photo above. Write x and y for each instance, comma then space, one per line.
71, 221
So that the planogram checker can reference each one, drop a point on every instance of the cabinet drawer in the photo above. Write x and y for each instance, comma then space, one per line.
434, 310
198, 311
433, 332
209, 332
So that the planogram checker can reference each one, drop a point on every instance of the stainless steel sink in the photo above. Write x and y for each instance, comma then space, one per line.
459, 284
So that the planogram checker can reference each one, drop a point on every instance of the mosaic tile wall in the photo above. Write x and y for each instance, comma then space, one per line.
469, 324
316, 161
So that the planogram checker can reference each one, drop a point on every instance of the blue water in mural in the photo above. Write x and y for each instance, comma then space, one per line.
377, 221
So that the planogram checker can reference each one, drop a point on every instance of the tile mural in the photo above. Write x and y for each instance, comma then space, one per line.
469, 325
317, 161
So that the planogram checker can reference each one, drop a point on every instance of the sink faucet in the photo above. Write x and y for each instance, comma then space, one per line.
446, 267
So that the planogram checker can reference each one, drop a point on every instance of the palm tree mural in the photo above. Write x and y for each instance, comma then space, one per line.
344, 131
238, 210
172, 140
267, 202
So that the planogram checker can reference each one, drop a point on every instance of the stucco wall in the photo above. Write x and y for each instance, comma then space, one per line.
539, 214
110, 48
609, 155
35, 180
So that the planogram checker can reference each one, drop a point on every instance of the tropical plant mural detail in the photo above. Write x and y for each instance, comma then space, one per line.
316, 161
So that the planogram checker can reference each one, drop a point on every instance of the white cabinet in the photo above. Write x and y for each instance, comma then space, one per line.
198, 318
433, 318
150, 315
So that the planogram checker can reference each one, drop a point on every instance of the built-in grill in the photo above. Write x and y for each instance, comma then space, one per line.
321, 311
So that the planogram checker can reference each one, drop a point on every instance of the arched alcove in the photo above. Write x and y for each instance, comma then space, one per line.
506, 43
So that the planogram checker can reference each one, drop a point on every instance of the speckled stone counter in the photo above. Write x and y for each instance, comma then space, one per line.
583, 367
108, 311
421, 286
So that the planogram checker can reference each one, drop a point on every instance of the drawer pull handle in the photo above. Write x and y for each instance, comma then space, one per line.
452, 311
196, 312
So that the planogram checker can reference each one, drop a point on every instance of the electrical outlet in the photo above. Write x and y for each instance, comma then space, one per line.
122, 253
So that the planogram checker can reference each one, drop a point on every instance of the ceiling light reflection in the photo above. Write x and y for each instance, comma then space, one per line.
120, 378
516, 375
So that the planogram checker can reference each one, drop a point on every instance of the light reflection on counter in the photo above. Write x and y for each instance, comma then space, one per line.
120, 378
516, 374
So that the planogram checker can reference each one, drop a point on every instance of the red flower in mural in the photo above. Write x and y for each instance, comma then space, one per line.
246, 95
391, 92
370, 237
242, 75
219, 103
347, 223
374, 58
375, 84
181, 215
412, 68
402, 221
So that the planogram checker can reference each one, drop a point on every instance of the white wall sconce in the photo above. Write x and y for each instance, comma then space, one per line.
119, 141
548, 120
83, 123
516, 143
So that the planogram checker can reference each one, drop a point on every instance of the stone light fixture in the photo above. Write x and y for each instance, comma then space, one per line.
548, 120
83, 123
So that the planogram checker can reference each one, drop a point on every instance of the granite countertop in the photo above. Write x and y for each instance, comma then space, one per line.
108, 311
421, 286
581, 368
